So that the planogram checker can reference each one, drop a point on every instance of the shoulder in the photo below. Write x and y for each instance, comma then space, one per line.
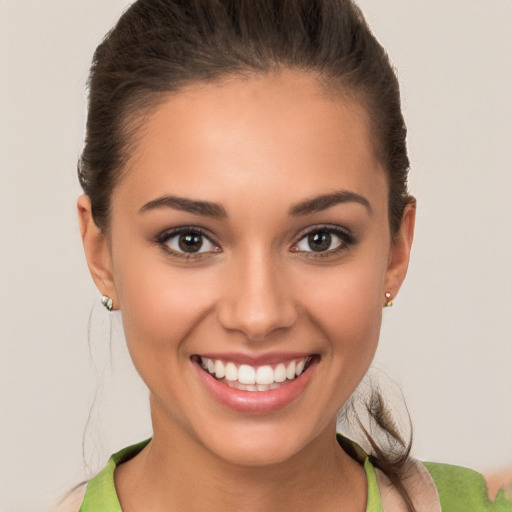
72, 500
101, 495
462, 489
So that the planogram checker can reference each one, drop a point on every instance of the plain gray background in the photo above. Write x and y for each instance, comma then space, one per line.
447, 342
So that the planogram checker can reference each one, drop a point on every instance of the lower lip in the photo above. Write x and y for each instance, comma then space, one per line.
257, 402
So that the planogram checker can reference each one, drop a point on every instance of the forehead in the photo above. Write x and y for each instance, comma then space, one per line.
281, 135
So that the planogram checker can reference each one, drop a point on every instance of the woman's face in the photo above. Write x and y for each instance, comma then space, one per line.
250, 234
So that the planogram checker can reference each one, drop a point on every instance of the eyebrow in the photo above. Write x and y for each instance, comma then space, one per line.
319, 203
214, 210
204, 208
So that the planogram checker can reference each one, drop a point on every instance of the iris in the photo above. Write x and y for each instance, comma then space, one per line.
320, 241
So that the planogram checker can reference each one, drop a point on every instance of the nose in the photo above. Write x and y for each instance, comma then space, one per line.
256, 298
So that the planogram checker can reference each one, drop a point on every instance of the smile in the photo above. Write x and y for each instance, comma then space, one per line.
254, 378
259, 385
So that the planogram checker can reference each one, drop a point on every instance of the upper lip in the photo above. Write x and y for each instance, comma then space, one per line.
256, 360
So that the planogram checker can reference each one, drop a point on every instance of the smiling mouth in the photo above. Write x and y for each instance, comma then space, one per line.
254, 378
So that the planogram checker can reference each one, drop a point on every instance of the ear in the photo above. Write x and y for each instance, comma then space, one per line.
97, 250
400, 250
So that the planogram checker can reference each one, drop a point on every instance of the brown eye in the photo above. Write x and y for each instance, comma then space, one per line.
184, 241
324, 240
191, 242
320, 241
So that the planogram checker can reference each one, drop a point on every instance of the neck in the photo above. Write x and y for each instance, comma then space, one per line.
175, 472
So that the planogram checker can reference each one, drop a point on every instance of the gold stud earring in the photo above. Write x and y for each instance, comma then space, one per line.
107, 302
389, 302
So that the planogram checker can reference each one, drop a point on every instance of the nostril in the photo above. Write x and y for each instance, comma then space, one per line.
256, 325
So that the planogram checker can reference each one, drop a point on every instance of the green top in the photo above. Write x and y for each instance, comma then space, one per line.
460, 489
463, 490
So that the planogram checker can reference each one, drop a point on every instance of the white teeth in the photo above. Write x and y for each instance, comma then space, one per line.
246, 374
231, 372
290, 371
243, 387
219, 369
264, 375
246, 377
280, 373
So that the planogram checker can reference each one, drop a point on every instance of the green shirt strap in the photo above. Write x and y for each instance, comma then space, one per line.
101, 495
373, 503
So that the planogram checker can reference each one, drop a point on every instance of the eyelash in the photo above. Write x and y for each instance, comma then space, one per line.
346, 240
163, 241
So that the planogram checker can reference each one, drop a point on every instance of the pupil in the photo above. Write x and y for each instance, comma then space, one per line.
191, 242
320, 241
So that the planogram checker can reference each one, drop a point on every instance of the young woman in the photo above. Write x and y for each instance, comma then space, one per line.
246, 209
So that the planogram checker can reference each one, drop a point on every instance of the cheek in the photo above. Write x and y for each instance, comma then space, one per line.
162, 308
160, 311
350, 316
160, 303
346, 305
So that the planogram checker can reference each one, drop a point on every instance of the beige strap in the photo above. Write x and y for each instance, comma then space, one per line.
72, 501
420, 486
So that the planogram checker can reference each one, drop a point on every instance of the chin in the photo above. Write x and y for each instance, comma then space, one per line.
258, 452
257, 446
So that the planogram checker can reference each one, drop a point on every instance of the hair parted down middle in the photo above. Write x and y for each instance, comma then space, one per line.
160, 46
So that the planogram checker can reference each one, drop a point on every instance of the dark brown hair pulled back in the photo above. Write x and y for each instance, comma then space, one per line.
160, 46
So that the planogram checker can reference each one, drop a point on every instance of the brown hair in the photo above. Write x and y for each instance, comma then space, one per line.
160, 46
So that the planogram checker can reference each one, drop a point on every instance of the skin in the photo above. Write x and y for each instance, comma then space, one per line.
256, 146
